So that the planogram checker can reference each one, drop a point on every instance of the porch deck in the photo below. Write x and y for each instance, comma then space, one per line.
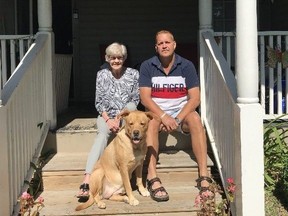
63, 174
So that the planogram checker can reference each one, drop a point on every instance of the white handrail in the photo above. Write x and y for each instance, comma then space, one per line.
24, 114
234, 130
12, 50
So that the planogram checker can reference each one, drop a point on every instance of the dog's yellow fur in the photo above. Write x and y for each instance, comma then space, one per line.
126, 153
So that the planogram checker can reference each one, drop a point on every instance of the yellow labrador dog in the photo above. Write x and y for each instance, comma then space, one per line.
126, 153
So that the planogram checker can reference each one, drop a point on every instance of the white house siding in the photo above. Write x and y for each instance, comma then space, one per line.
131, 22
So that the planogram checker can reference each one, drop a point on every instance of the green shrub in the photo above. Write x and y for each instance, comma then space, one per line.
276, 154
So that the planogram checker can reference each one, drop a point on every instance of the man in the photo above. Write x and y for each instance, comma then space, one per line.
169, 87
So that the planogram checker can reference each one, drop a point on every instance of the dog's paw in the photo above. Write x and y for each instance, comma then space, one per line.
101, 205
134, 202
144, 192
126, 199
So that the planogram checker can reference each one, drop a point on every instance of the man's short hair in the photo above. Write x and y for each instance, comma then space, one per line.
164, 32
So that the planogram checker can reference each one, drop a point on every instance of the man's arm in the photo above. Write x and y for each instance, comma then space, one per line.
192, 103
168, 123
146, 100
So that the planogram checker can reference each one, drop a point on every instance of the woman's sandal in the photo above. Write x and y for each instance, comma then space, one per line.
153, 192
84, 188
202, 188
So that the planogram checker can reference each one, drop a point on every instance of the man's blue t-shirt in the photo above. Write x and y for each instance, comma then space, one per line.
170, 91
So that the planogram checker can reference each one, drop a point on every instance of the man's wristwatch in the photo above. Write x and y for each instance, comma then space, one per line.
178, 121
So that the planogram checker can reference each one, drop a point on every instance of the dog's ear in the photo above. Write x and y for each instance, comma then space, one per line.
151, 115
123, 113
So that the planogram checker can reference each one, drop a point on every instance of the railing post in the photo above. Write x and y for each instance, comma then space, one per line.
5, 208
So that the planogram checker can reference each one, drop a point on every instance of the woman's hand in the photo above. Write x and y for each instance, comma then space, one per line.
114, 124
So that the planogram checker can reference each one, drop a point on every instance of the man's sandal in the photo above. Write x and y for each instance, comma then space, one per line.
153, 192
202, 188
84, 188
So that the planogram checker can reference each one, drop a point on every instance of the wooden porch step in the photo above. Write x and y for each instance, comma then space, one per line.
79, 135
63, 174
76, 162
77, 129
59, 194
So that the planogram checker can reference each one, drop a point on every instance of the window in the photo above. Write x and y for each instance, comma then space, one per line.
224, 15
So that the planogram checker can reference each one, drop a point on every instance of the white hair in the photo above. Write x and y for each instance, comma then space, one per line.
116, 49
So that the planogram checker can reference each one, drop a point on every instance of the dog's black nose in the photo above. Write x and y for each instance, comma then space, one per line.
136, 133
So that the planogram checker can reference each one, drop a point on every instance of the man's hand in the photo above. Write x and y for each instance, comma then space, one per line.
168, 124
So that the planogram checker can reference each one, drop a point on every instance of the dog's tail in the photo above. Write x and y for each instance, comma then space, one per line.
85, 205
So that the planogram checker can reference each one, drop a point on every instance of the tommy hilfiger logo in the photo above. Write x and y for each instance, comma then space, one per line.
177, 87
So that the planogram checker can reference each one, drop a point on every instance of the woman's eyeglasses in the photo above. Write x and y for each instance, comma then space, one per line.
113, 58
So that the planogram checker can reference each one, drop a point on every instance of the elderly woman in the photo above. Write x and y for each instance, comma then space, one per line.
116, 89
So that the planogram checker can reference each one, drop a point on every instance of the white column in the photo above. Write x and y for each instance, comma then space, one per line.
45, 27
246, 51
249, 156
205, 24
205, 14
45, 15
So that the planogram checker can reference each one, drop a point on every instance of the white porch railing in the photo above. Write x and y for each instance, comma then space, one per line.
12, 50
235, 131
25, 113
273, 68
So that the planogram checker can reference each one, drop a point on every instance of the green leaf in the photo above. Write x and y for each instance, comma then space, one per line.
268, 178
